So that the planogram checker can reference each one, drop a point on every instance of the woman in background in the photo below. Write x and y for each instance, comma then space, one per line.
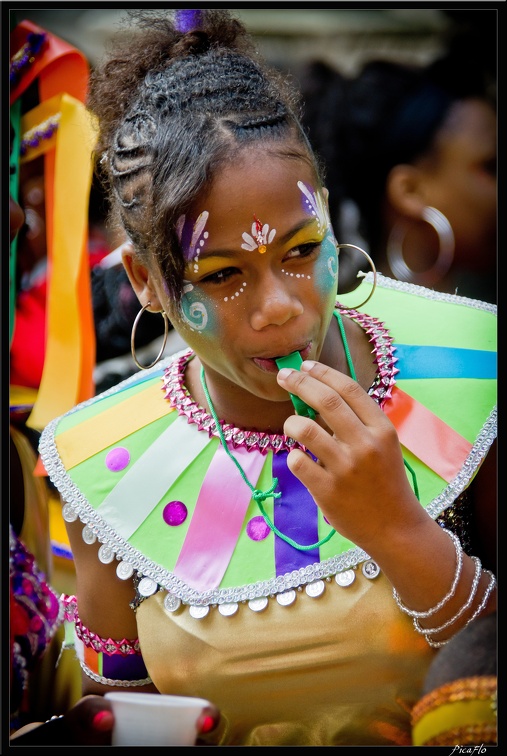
414, 150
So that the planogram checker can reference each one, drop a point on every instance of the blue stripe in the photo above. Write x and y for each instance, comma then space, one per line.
444, 362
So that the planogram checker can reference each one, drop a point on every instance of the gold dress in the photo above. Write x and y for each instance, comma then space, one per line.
295, 647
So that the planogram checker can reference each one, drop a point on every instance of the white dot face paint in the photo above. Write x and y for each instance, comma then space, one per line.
237, 293
296, 275
198, 236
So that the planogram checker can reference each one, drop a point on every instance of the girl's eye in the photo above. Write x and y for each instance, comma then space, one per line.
220, 276
304, 250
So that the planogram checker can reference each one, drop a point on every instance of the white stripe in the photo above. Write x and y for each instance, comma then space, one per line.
137, 494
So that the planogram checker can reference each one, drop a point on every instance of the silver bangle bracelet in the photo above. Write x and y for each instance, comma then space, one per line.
449, 595
466, 605
480, 608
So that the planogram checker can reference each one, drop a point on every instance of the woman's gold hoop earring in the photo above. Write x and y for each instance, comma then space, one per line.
361, 273
133, 336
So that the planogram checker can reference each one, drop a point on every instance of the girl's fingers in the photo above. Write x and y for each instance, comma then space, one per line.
343, 405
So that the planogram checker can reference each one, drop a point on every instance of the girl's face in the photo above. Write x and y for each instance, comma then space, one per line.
261, 274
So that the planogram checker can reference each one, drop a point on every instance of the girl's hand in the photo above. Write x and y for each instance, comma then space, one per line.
359, 479
89, 722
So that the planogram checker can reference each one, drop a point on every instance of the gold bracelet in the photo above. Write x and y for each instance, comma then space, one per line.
461, 711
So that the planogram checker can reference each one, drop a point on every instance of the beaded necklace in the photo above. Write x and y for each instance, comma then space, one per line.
260, 496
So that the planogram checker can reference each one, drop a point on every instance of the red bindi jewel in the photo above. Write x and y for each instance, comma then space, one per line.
259, 238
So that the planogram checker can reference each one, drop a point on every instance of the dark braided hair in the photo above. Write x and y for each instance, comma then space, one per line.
173, 107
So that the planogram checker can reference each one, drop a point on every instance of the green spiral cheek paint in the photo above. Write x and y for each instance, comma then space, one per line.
198, 313
294, 361
326, 267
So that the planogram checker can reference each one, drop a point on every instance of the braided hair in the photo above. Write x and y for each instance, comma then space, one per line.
175, 103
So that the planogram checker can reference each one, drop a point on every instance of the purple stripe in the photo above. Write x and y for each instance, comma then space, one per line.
296, 517
120, 667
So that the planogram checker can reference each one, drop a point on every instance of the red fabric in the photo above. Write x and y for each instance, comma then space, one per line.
29, 337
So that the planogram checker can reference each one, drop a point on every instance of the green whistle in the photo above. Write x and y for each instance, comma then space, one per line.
294, 361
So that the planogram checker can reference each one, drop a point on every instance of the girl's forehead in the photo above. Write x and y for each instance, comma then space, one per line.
261, 183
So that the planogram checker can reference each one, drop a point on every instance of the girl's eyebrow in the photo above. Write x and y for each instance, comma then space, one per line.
230, 253
298, 227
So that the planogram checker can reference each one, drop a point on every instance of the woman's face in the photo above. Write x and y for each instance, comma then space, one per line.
462, 181
261, 273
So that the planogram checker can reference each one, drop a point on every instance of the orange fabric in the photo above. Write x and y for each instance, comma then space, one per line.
431, 440
54, 78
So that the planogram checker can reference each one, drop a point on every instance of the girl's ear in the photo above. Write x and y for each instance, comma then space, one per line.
405, 190
140, 277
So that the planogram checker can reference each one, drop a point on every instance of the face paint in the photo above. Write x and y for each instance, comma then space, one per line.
260, 237
192, 237
295, 275
326, 270
193, 310
237, 293
314, 204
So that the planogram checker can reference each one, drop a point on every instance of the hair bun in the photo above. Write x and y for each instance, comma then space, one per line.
193, 42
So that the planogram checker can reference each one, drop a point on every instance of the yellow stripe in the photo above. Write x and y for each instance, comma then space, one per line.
108, 427
450, 716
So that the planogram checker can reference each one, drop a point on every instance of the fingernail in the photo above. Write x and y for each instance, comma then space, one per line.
207, 724
103, 720
307, 365
284, 373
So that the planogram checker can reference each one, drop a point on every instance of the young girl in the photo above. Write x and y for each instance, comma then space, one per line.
297, 569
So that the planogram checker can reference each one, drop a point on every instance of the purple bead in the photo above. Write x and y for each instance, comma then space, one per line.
117, 459
175, 513
257, 528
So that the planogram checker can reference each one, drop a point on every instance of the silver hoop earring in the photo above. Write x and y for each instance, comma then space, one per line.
361, 273
133, 336
399, 267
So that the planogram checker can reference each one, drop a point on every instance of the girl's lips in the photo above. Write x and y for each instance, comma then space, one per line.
269, 365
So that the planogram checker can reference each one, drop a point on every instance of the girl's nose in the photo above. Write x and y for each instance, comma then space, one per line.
276, 302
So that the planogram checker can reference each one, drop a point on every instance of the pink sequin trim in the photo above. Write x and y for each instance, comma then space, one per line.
179, 397
107, 645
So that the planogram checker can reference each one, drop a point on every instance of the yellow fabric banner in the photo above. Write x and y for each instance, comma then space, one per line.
67, 376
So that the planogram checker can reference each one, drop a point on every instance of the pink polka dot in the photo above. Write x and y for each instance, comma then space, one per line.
175, 513
257, 529
117, 459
